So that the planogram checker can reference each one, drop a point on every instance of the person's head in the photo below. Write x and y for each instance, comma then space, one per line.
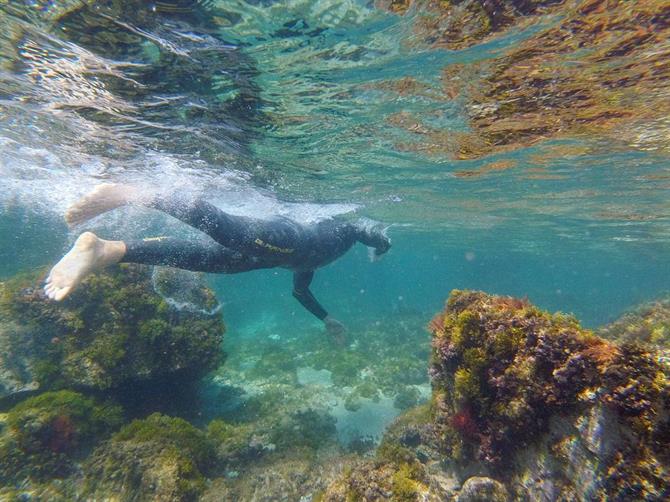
384, 241
373, 234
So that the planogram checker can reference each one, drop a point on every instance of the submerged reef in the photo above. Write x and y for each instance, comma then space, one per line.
44, 436
113, 330
158, 458
525, 405
648, 324
533, 403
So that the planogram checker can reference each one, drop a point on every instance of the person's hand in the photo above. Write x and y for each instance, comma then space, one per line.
335, 330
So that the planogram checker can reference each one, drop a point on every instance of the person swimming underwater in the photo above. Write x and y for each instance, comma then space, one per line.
239, 244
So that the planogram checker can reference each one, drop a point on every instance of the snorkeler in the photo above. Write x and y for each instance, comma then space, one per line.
239, 244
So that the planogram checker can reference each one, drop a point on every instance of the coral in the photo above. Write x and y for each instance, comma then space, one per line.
158, 458
46, 434
114, 329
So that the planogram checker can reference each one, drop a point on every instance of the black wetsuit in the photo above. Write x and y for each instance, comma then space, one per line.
243, 244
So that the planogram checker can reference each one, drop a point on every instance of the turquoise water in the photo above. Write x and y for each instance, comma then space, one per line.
592, 241
298, 108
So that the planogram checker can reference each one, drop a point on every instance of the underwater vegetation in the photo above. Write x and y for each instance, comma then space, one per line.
157, 458
114, 330
532, 402
44, 436
648, 324
524, 403
600, 66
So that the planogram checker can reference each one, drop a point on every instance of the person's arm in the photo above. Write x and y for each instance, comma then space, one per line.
301, 292
374, 237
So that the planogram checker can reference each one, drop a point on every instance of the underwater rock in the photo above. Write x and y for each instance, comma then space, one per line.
113, 330
480, 489
44, 436
159, 458
532, 401
282, 478
515, 387
403, 468
648, 324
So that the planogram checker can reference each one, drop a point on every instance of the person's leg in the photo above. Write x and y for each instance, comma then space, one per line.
102, 198
231, 231
249, 235
90, 253
193, 255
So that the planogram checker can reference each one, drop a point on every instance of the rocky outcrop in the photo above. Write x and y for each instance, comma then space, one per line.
158, 458
113, 330
533, 403
648, 324
43, 437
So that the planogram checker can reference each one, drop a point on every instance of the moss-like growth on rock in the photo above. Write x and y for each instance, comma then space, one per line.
44, 435
113, 329
158, 458
502, 369
524, 403
397, 472
648, 324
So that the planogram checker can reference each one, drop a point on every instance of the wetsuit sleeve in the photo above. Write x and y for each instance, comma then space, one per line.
374, 238
301, 292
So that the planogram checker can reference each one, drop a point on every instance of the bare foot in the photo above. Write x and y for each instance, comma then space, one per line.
101, 199
88, 254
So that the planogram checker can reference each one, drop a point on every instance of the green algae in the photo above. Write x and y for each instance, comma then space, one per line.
46, 434
157, 458
648, 324
114, 329
502, 369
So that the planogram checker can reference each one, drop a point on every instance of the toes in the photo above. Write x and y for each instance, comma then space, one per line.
62, 293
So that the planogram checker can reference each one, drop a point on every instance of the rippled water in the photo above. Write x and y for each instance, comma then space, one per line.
316, 108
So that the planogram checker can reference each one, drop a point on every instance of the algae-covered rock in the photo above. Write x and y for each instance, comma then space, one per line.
159, 458
648, 324
481, 489
508, 377
114, 329
43, 436
526, 405
401, 468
